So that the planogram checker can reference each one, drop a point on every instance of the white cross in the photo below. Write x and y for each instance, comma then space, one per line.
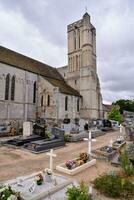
121, 128
89, 139
111, 143
51, 155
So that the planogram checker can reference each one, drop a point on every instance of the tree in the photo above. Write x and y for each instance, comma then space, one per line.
125, 104
115, 113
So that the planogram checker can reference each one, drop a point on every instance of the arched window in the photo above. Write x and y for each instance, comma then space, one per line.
78, 105
13, 88
78, 38
48, 100
34, 92
77, 62
42, 100
7, 84
66, 103
74, 39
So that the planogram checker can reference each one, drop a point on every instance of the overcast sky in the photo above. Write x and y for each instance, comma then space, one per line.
37, 28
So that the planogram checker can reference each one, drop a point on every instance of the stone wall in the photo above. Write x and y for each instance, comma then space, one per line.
22, 107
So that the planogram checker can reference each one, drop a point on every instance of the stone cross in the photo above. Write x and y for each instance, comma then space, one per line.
89, 142
51, 155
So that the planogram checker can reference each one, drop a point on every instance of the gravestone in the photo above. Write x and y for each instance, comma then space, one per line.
68, 127
81, 124
27, 129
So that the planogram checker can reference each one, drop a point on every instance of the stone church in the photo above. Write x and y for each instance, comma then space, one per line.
31, 89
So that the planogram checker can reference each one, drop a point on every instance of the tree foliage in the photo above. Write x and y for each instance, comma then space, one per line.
115, 114
127, 105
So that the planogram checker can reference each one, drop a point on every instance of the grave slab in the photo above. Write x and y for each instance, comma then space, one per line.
62, 167
40, 192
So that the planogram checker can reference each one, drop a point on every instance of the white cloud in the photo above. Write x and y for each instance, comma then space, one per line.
17, 33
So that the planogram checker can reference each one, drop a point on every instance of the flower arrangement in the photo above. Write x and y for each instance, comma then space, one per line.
6, 193
48, 171
48, 175
70, 163
39, 179
84, 156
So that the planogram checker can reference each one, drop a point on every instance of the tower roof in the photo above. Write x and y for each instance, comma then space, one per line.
86, 15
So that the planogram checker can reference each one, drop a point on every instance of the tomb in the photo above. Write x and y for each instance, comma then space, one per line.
30, 190
106, 153
21, 140
56, 140
27, 137
129, 133
79, 164
130, 150
118, 143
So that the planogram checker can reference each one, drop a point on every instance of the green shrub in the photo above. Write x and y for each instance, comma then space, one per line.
115, 186
66, 137
126, 164
6, 192
78, 193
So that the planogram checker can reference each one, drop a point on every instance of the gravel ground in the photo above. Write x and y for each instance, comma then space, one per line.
15, 162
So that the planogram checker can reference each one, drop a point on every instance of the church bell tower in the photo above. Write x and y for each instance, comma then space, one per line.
82, 74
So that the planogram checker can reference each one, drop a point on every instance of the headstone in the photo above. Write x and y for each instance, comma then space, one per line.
68, 127
57, 132
81, 124
27, 129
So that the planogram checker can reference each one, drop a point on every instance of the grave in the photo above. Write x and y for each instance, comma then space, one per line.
119, 143
27, 137
116, 161
106, 152
27, 129
29, 190
130, 149
129, 133
77, 165
68, 127
56, 140
82, 124
20, 141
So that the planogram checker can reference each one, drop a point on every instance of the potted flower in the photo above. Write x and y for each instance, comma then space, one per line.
48, 175
69, 164
39, 179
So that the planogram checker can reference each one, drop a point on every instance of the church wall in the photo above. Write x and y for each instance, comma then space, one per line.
22, 107
71, 112
44, 89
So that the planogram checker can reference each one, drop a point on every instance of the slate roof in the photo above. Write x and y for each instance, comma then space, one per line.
23, 62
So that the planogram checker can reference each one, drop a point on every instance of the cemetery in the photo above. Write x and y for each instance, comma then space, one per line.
54, 181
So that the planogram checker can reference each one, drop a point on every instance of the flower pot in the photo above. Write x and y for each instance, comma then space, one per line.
39, 182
